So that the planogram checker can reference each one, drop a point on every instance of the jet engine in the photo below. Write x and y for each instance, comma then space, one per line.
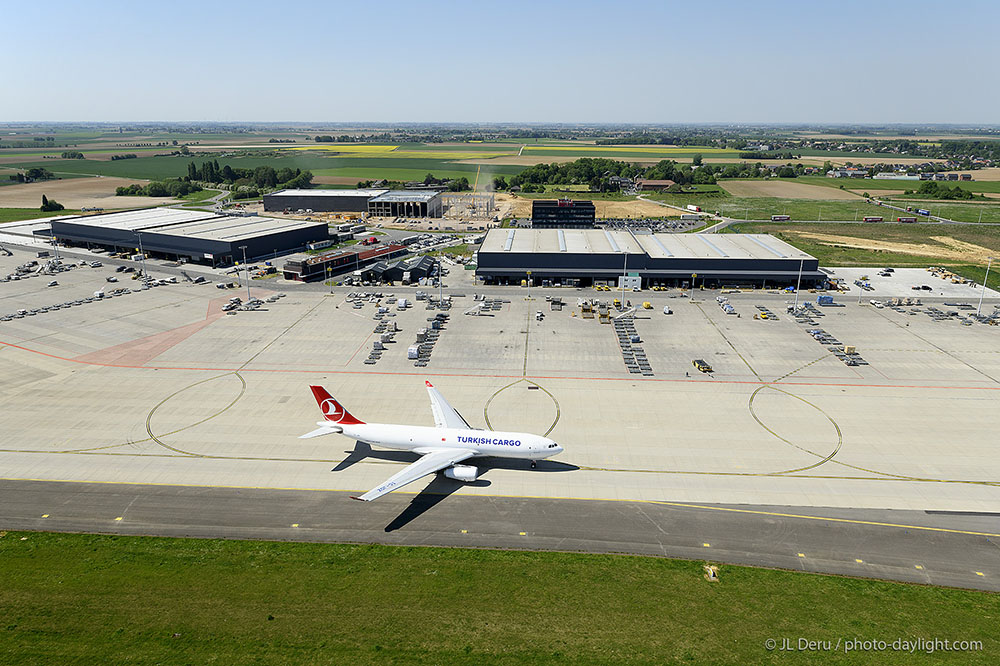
466, 473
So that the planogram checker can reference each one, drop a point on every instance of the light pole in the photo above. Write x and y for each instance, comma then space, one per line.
798, 283
624, 276
246, 267
329, 278
440, 284
983, 292
142, 256
527, 282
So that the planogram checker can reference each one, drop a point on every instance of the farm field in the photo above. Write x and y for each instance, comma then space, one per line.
108, 599
18, 214
77, 193
894, 185
963, 248
783, 188
357, 167
643, 153
762, 208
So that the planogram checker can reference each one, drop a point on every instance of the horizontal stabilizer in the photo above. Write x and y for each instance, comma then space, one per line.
323, 430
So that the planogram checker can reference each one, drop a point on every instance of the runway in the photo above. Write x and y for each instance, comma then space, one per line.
956, 549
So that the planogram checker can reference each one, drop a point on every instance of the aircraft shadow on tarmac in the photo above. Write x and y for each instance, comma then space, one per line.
441, 486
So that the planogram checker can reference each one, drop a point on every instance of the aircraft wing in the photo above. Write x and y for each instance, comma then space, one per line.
428, 464
445, 416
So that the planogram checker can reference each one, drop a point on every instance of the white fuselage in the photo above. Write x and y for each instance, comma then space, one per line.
423, 439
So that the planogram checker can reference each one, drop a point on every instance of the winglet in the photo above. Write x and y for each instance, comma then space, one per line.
333, 410
429, 385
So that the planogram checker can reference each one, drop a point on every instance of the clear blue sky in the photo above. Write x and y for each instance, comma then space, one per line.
655, 62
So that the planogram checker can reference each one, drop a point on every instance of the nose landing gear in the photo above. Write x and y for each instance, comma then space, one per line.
534, 464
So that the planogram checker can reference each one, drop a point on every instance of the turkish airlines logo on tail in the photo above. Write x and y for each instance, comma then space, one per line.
332, 409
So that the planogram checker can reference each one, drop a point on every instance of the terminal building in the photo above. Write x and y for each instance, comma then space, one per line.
589, 256
402, 203
562, 214
188, 235
321, 201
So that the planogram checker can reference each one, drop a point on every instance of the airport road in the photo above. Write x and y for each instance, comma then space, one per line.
955, 549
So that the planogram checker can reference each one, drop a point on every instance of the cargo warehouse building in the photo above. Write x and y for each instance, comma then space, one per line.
325, 201
562, 213
380, 203
586, 256
187, 235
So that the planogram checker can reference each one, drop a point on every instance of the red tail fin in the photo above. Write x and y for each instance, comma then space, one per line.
333, 410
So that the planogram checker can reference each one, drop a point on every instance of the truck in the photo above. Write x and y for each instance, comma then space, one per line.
906, 219
691, 207
921, 211
871, 218
780, 218
689, 217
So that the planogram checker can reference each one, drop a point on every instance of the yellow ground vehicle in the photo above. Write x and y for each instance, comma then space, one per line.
647, 305
701, 365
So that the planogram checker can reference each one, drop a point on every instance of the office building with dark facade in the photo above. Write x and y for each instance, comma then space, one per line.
337, 262
588, 256
562, 214
321, 201
187, 235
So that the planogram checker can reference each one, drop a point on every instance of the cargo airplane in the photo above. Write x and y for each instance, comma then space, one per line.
441, 448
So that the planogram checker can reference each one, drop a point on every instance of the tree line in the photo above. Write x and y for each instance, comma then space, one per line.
934, 190
32, 174
260, 177
162, 188
72, 155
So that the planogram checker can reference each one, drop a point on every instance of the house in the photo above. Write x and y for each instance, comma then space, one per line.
654, 184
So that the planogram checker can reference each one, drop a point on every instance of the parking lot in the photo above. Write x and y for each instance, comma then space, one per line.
162, 386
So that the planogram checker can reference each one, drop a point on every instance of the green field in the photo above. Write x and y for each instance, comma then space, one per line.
960, 212
200, 196
362, 168
17, 214
830, 255
762, 208
105, 599
900, 185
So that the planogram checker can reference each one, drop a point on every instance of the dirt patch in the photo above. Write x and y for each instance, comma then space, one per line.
945, 248
783, 190
96, 192
514, 206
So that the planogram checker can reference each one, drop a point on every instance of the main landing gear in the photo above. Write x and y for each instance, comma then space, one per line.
534, 464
